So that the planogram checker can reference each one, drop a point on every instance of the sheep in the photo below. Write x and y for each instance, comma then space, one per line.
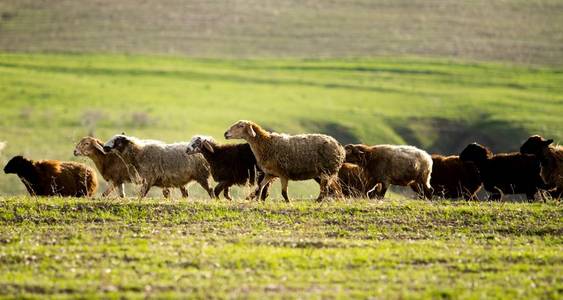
551, 160
297, 157
112, 167
393, 164
231, 164
53, 177
454, 178
158, 164
353, 181
508, 173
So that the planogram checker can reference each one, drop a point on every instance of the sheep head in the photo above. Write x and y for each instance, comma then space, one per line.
88, 146
476, 153
117, 143
18, 165
200, 143
356, 153
241, 130
535, 144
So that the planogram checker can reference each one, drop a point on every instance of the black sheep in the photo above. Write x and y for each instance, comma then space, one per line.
231, 164
454, 178
508, 173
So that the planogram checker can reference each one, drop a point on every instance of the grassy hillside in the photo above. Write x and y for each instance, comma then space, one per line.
393, 249
522, 31
47, 102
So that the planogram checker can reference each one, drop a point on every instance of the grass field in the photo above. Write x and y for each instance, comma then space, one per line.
515, 31
438, 74
385, 249
47, 102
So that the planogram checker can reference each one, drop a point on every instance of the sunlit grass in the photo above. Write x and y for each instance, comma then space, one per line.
393, 248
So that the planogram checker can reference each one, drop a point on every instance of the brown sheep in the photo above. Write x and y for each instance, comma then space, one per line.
454, 178
551, 159
297, 157
53, 177
505, 173
353, 181
392, 164
111, 166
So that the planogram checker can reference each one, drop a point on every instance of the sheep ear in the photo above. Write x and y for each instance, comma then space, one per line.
548, 142
208, 146
251, 131
99, 146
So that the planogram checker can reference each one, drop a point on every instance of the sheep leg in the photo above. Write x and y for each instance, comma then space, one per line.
423, 191
496, 193
219, 188
166, 193
557, 193
264, 183
121, 190
284, 181
226, 193
184, 192
378, 190
530, 195
205, 185
335, 189
254, 194
428, 192
265, 193
324, 187
416, 188
110, 189
145, 189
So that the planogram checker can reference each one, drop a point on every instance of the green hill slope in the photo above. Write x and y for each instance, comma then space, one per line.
515, 31
49, 101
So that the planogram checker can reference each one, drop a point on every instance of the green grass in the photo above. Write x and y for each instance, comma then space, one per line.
386, 249
47, 102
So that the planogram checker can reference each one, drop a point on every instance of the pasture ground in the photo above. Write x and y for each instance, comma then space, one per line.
396, 248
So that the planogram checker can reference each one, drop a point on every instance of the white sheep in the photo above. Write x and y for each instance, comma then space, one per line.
298, 157
159, 164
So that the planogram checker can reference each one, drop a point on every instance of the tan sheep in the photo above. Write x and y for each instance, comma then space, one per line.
297, 157
112, 168
393, 164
